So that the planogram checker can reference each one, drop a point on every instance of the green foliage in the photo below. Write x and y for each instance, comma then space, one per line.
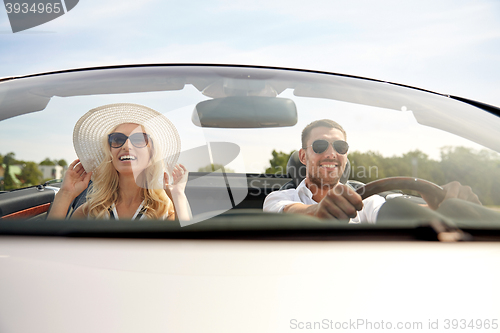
27, 173
366, 167
370, 166
30, 174
215, 168
478, 169
278, 163
8, 181
9, 158
47, 161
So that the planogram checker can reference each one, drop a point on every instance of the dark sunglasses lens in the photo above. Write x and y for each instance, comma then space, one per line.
116, 140
140, 140
319, 146
341, 147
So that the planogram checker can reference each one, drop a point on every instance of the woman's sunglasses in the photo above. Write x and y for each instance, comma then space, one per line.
138, 140
320, 146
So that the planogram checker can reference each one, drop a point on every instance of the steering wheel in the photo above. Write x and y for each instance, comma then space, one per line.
431, 191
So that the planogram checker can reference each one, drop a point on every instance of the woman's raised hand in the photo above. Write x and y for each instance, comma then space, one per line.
180, 177
75, 180
176, 189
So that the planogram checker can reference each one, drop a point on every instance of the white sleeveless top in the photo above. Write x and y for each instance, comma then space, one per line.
139, 213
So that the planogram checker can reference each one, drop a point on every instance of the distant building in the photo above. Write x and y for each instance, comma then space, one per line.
52, 171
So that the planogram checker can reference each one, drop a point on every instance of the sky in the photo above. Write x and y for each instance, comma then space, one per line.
447, 46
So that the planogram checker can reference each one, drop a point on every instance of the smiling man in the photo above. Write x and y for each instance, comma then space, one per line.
321, 194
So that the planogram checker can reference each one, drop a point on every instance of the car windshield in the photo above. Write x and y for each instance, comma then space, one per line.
238, 127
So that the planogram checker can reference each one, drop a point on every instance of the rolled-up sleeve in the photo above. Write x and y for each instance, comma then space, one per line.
371, 206
276, 201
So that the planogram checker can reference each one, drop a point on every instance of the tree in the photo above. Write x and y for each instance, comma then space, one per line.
47, 161
278, 163
8, 182
366, 167
9, 158
30, 174
215, 168
479, 170
62, 163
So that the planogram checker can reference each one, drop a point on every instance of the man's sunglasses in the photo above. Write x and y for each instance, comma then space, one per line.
320, 146
138, 140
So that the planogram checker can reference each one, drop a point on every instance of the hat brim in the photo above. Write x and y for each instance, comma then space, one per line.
91, 131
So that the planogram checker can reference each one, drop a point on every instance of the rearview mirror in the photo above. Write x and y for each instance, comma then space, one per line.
245, 112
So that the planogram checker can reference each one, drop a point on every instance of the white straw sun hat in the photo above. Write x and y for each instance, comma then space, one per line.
91, 131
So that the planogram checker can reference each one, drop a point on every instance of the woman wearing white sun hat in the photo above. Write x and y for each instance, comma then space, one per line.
129, 151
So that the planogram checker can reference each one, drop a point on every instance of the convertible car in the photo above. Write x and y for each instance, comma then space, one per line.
234, 267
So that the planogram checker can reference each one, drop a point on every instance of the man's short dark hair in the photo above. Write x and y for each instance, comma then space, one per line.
320, 123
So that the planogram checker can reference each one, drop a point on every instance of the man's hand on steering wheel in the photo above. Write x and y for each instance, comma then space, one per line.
433, 194
454, 190
341, 203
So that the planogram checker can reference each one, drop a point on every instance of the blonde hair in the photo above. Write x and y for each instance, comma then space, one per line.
106, 185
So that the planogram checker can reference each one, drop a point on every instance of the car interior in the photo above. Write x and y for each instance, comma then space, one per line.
231, 119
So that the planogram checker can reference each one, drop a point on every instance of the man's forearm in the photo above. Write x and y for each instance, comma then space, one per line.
300, 208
